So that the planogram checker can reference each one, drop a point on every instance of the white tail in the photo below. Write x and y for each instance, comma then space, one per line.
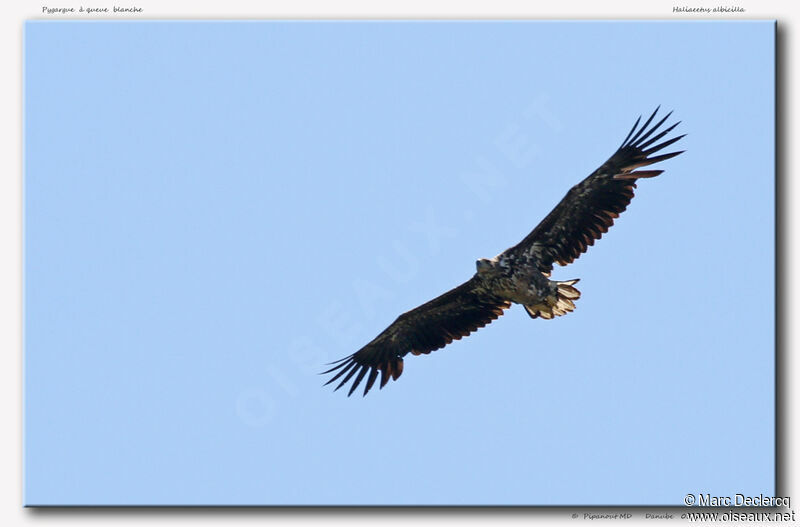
563, 304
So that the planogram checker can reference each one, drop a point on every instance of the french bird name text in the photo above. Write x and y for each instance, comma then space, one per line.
90, 10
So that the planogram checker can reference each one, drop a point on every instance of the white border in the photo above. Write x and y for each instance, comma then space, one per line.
11, 28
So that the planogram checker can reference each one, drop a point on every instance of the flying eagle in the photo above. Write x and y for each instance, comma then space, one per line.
520, 274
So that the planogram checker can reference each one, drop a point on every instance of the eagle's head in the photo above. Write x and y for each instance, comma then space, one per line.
486, 265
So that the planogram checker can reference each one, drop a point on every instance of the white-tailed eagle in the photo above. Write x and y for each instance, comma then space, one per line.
520, 274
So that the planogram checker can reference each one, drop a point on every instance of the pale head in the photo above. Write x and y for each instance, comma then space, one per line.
486, 265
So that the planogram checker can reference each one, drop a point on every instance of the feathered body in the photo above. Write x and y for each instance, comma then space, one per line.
521, 274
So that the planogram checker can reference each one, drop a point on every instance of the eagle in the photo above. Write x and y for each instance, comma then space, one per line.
521, 274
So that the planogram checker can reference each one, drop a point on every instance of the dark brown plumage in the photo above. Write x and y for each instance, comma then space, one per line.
521, 273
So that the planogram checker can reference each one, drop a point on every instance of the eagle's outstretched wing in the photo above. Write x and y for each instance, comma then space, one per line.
427, 328
589, 208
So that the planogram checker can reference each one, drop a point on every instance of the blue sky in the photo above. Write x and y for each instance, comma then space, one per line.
213, 210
